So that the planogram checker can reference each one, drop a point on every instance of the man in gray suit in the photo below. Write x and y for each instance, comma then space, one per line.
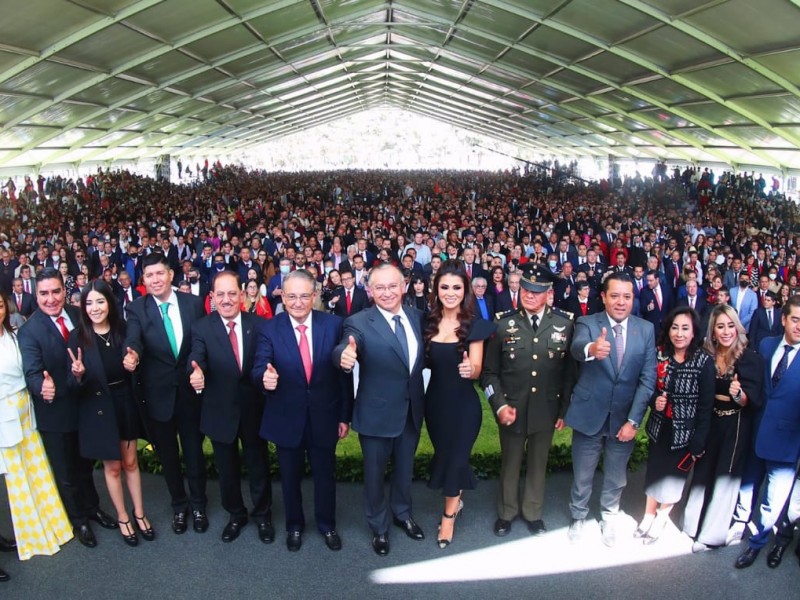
617, 378
386, 340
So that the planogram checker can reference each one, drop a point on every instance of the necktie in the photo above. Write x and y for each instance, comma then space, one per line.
563, 258
514, 301
19, 303
657, 293
584, 307
469, 271
691, 301
535, 322
619, 344
400, 332
482, 306
234, 343
349, 301
677, 274
27, 285
62, 325
769, 318
305, 352
173, 343
782, 366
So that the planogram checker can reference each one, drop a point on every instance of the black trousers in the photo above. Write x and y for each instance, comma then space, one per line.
73, 475
185, 423
229, 464
323, 471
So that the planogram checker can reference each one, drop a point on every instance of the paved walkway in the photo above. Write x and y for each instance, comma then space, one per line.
476, 565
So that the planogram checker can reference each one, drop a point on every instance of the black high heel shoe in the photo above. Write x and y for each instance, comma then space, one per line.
148, 533
443, 542
130, 538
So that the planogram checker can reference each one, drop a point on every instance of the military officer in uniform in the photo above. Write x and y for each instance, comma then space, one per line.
528, 376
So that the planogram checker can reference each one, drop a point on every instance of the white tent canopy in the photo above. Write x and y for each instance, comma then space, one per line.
688, 80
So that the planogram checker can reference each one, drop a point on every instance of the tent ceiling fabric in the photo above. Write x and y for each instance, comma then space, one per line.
710, 81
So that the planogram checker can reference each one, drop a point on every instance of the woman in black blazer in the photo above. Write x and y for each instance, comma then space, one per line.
108, 418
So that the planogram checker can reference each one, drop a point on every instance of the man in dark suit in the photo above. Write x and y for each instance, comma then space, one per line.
594, 270
386, 340
766, 321
7, 267
125, 293
654, 302
508, 299
159, 335
232, 406
484, 303
617, 352
245, 264
673, 270
777, 434
529, 375
473, 269
24, 301
43, 344
307, 407
348, 299
694, 298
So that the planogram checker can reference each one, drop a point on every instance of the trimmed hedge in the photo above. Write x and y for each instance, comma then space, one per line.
485, 454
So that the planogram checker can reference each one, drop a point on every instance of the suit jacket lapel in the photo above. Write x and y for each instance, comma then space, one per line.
611, 360
186, 342
415, 326
248, 339
318, 334
380, 325
220, 331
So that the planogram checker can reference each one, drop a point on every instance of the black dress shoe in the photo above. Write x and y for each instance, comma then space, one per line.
502, 527
775, 556
380, 543
85, 535
8, 545
266, 532
411, 528
294, 539
233, 529
333, 541
537, 527
179, 522
199, 521
4, 576
746, 558
102, 518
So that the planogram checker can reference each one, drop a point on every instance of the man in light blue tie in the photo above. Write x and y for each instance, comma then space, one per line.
484, 304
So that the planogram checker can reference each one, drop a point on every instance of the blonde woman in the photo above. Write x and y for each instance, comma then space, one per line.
737, 395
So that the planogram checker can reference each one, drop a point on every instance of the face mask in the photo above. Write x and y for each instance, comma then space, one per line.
328, 270
742, 284
553, 264
219, 266
55, 257
192, 279
285, 269
773, 276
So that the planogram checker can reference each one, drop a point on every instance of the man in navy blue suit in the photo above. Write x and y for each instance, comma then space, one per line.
307, 407
386, 340
654, 301
777, 437
766, 321
219, 365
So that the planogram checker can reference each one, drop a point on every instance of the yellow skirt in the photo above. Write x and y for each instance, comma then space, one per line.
41, 525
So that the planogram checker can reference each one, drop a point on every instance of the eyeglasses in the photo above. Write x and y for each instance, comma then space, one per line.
295, 297
380, 289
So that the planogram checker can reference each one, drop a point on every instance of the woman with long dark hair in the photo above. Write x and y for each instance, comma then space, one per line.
40, 522
416, 296
108, 418
454, 352
680, 415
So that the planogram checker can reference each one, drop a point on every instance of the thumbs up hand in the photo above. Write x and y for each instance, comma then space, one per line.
349, 355
48, 388
131, 360
197, 379
601, 347
735, 388
270, 379
465, 368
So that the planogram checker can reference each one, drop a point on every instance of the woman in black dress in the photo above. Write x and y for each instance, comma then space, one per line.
108, 418
737, 396
415, 296
680, 414
454, 351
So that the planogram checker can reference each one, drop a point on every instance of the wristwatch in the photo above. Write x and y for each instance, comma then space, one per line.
633, 423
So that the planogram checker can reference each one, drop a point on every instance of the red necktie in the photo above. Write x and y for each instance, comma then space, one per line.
349, 302
677, 274
514, 301
584, 307
62, 324
19, 303
27, 285
305, 352
469, 271
234, 343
